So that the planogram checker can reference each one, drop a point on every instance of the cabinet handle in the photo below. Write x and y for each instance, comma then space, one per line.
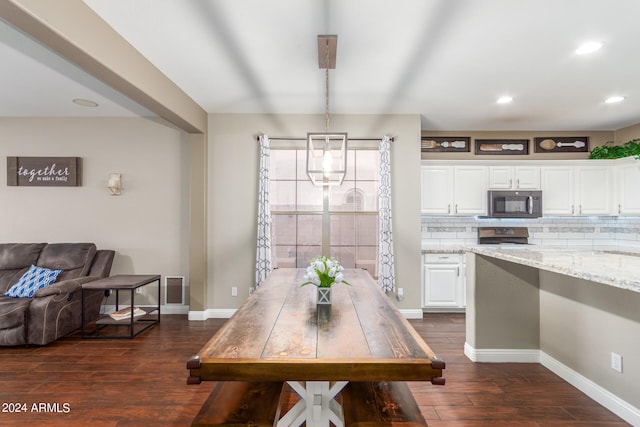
580, 209
448, 209
619, 209
510, 183
572, 209
458, 271
518, 183
456, 209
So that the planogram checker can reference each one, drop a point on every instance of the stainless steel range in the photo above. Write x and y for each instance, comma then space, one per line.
500, 235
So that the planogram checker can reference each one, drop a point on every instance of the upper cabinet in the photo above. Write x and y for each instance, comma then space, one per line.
576, 190
569, 188
628, 185
454, 190
514, 178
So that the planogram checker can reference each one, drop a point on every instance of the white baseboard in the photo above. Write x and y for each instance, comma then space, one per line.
164, 309
604, 397
411, 313
502, 355
211, 313
226, 313
620, 407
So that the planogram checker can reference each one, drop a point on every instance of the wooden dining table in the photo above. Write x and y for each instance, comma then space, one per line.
280, 333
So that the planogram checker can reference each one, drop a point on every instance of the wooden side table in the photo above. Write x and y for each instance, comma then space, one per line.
123, 282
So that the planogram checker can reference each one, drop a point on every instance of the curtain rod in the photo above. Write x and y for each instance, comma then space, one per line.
284, 138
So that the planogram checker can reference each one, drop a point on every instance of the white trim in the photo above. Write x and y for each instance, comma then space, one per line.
411, 313
604, 397
620, 407
211, 313
164, 308
502, 355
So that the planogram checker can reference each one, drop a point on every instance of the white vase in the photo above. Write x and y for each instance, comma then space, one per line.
324, 296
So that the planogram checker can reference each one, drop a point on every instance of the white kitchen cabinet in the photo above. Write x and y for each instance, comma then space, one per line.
454, 190
628, 187
514, 178
576, 190
443, 281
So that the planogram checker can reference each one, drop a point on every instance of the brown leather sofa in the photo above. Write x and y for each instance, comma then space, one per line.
55, 310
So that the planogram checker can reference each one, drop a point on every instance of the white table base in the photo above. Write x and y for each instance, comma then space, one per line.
317, 405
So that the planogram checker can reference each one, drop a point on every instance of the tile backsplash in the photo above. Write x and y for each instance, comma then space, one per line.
549, 231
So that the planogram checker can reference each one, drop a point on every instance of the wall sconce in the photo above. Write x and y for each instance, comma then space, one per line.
115, 184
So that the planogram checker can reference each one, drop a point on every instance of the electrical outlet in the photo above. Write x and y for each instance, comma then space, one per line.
400, 294
139, 290
251, 289
616, 362
234, 291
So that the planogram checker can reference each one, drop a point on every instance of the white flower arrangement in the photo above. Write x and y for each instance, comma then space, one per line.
323, 272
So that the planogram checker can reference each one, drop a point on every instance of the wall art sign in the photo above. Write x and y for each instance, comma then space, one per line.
502, 146
440, 144
561, 144
44, 171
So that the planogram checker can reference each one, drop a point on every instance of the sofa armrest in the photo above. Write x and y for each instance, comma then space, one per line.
64, 287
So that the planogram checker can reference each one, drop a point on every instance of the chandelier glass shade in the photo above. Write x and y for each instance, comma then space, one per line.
326, 157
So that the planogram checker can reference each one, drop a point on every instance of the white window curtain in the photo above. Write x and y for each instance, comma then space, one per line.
386, 278
263, 244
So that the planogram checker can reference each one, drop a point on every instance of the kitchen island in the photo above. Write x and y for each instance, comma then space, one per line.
568, 309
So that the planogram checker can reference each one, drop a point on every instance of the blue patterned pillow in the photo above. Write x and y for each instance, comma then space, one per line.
33, 280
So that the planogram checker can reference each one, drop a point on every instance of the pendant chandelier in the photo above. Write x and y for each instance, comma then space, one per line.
327, 151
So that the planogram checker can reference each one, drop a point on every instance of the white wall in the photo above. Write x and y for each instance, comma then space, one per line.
147, 225
232, 194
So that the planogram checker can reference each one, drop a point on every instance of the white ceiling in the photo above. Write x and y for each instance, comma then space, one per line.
446, 60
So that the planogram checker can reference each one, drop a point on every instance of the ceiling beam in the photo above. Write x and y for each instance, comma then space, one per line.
74, 31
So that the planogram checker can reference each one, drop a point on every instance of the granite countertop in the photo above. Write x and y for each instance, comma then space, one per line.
617, 267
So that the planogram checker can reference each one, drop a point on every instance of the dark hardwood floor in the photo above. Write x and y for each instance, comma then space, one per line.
142, 382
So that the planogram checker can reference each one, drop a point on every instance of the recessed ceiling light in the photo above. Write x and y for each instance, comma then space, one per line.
504, 100
588, 48
614, 99
85, 102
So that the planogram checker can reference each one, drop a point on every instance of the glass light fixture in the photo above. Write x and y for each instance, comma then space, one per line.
327, 151
326, 157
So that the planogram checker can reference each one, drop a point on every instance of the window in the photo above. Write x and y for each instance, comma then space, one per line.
341, 219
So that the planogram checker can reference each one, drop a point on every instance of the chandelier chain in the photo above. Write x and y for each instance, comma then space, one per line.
326, 83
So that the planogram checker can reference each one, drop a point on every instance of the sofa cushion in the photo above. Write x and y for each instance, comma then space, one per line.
34, 279
15, 256
74, 258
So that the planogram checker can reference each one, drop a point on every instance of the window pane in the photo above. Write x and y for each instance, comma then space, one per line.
309, 230
367, 230
367, 162
366, 192
367, 259
283, 195
282, 164
283, 229
344, 254
351, 165
343, 230
309, 196
341, 197
285, 256
306, 254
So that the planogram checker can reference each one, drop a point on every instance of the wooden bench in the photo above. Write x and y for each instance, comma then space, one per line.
240, 404
368, 404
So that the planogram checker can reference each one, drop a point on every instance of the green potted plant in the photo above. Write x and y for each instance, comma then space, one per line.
610, 151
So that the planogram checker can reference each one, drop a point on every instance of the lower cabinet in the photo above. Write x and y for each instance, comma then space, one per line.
443, 282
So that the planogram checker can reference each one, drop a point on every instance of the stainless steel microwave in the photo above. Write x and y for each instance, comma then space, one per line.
515, 204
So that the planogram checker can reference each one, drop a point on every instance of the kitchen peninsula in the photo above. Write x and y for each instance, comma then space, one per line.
571, 310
